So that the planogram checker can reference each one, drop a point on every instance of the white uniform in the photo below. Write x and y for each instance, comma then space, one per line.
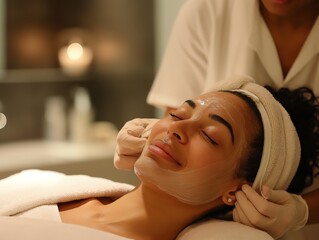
215, 39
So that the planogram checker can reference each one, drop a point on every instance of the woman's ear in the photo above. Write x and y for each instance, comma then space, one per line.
229, 198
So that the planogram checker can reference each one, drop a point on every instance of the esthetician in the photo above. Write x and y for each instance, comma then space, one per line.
275, 42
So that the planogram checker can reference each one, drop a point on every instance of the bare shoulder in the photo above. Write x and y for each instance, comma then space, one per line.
82, 211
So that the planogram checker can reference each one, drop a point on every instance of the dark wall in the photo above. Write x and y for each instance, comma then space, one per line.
121, 35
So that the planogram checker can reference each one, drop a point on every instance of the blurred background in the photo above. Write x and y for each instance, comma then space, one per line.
72, 73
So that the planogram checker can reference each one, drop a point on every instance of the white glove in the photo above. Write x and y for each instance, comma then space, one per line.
130, 141
279, 213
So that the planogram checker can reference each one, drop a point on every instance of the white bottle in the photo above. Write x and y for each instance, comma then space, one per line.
81, 116
55, 119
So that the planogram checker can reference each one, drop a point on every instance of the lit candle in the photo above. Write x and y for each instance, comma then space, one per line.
75, 58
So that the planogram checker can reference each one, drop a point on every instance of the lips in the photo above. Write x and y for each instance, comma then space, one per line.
163, 150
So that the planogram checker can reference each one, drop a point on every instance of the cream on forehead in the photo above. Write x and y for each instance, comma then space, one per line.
218, 102
211, 98
202, 102
206, 101
223, 104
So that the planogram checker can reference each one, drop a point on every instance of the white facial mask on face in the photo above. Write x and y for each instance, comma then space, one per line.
195, 187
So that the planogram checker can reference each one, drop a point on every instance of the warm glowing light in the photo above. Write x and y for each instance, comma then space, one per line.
3, 120
75, 58
75, 51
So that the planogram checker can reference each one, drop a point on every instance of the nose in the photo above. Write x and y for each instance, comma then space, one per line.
177, 131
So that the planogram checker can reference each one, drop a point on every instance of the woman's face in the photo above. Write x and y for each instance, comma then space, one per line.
199, 144
286, 8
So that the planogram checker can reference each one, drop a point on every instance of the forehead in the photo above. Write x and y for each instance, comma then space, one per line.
230, 107
233, 109
214, 99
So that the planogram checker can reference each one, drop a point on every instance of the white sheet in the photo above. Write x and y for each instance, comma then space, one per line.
32, 188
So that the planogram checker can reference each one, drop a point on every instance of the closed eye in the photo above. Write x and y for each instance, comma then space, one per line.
208, 138
175, 116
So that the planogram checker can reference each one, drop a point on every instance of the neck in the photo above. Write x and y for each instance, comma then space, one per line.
302, 18
148, 213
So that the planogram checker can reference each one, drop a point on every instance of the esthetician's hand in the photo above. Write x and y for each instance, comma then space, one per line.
131, 140
279, 213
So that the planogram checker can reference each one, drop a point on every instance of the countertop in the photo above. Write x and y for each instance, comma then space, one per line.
91, 158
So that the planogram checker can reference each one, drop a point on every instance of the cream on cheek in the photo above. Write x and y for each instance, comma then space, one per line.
197, 185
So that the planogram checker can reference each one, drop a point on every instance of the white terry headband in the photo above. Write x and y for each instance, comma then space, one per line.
281, 149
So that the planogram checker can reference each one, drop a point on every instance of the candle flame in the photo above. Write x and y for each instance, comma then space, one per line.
75, 51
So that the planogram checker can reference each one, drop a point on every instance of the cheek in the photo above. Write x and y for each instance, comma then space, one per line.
200, 154
221, 174
203, 156
159, 128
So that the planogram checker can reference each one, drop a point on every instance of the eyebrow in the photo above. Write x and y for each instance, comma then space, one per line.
215, 117
191, 103
223, 121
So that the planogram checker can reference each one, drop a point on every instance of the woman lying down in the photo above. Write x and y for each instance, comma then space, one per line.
192, 165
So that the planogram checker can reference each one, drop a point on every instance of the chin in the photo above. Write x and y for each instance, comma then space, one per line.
278, 8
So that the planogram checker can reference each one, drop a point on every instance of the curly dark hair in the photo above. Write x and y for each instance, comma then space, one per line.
303, 108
